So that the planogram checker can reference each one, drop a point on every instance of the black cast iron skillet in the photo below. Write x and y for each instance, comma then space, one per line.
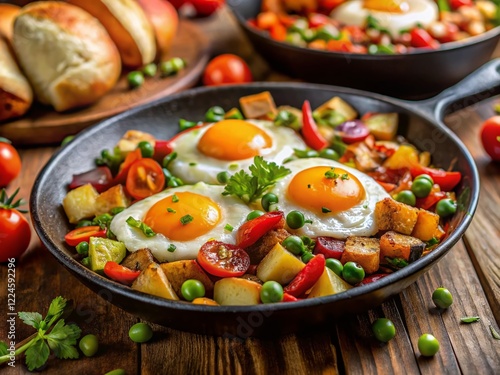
420, 123
415, 75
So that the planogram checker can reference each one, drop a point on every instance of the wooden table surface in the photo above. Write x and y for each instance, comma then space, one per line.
471, 271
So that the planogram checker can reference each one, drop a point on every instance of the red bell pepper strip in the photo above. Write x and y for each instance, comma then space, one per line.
162, 149
310, 132
446, 180
99, 178
388, 187
120, 273
81, 234
307, 277
289, 298
251, 231
373, 278
430, 200
420, 38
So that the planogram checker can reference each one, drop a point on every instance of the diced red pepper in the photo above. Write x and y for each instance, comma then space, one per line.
420, 38
120, 273
278, 32
310, 132
330, 247
307, 277
266, 20
373, 278
455, 4
162, 149
430, 200
251, 231
99, 178
388, 187
446, 180
289, 298
81, 234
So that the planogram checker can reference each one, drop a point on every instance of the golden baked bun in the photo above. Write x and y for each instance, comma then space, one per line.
8, 13
127, 25
66, 54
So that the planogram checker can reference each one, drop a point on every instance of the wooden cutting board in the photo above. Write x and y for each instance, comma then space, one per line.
42, 125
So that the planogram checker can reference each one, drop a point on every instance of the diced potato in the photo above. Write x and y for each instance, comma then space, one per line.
179, 271
279, 265
204, 301
111, 198
395, 245
236, 292
404, 157
426, 226
258, 105
138, 260
329, 283
79, 203
131, 139
363, 250
383, 126
340, 106
153, 281
103, 250
396, 216
487, 8
300, 5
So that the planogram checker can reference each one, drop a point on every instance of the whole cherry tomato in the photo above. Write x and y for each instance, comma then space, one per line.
206, 7
10, 162
226, 69
490, 136
15, 232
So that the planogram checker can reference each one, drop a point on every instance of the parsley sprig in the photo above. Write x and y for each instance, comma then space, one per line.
52, 334
250, 187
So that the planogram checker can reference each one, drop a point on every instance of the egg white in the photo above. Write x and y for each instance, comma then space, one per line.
193, 166
422, 12
356, 221
233, 212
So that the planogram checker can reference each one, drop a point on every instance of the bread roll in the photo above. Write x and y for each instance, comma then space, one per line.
8, 13
66, 53
127, 25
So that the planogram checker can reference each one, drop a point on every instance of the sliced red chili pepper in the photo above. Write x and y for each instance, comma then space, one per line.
120, 273
223, 260
446, 180
420, 38
307, 277
310, 132
289, 298
81, 234
330, 247
430, 200
373, 278
99, 178
251, 231
145, 178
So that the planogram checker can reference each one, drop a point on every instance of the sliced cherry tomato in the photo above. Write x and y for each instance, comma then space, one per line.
206, 7
132, 157
100, 178
446, 180
310, 132
10, 162
145, 178
223, 260
15, 231
420, 38
307, 277
330, 247
81, 234
490, 137
318, 20
120, 273
226, 69
251, 231
455, 4
353, 131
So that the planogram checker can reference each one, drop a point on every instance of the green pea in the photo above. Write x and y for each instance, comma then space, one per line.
135, 79
383, 329
150, 70
446, 207
178, 63
118, 371
269, 200
335, 265
86, 262
147, 149
428, 345
167, 68
353, 273
215, 114
421, 187
223, 177
424, 176
294, 245
328, 153
140, 332
295, 219
407, 197
192, 289
442, 298
254, 214
89, 345
83, 248
307, 256
271, 292
84, 223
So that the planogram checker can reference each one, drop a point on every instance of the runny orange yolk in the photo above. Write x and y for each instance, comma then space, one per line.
392, 6
324, 189
167, 216
234, 140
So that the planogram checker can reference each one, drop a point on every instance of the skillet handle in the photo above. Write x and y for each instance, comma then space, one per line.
479, 85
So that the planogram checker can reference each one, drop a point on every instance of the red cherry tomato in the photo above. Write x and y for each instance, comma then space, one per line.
455, 4
81, 234
206, 7
251, 231
10, 162
420, 38
226, 69
353, 131
223, 260
15, 232
145, 178
490, 136
120, 273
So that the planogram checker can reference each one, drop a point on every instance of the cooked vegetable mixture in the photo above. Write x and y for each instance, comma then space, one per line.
260, 204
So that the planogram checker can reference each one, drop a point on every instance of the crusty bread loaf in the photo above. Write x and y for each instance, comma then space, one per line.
127, 25
8, 13
66, 54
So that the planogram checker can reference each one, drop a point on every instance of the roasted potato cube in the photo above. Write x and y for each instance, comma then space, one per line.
338, 105
204, 301
131, 139
395, 245
427, 225
396, 216
111, 198
264, 245
383, 126
179, 271
329, 283
153, 281
138, 260
237, 292
404, 157
279, 265
258, 105
363, 250
80, 203
300, 5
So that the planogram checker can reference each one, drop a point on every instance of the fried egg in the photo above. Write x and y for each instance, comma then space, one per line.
402, 15
183, 218
230, 145
339, 200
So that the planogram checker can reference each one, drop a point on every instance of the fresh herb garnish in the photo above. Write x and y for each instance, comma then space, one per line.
433, 241
175, 198
229, 227
344, 177
494, 333
325, 210
112, 159
169, 159
148, 232
185, 124
251, 187
171, 248
186, 219
396, 262
470, 319
331, 175
171, 210
192, 164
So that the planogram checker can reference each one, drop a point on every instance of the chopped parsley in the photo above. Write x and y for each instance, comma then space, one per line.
186, 219
148, 232
192, 164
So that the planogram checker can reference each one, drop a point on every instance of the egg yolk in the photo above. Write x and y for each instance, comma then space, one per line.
234, 140
392, 6
183, 216
325, 189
